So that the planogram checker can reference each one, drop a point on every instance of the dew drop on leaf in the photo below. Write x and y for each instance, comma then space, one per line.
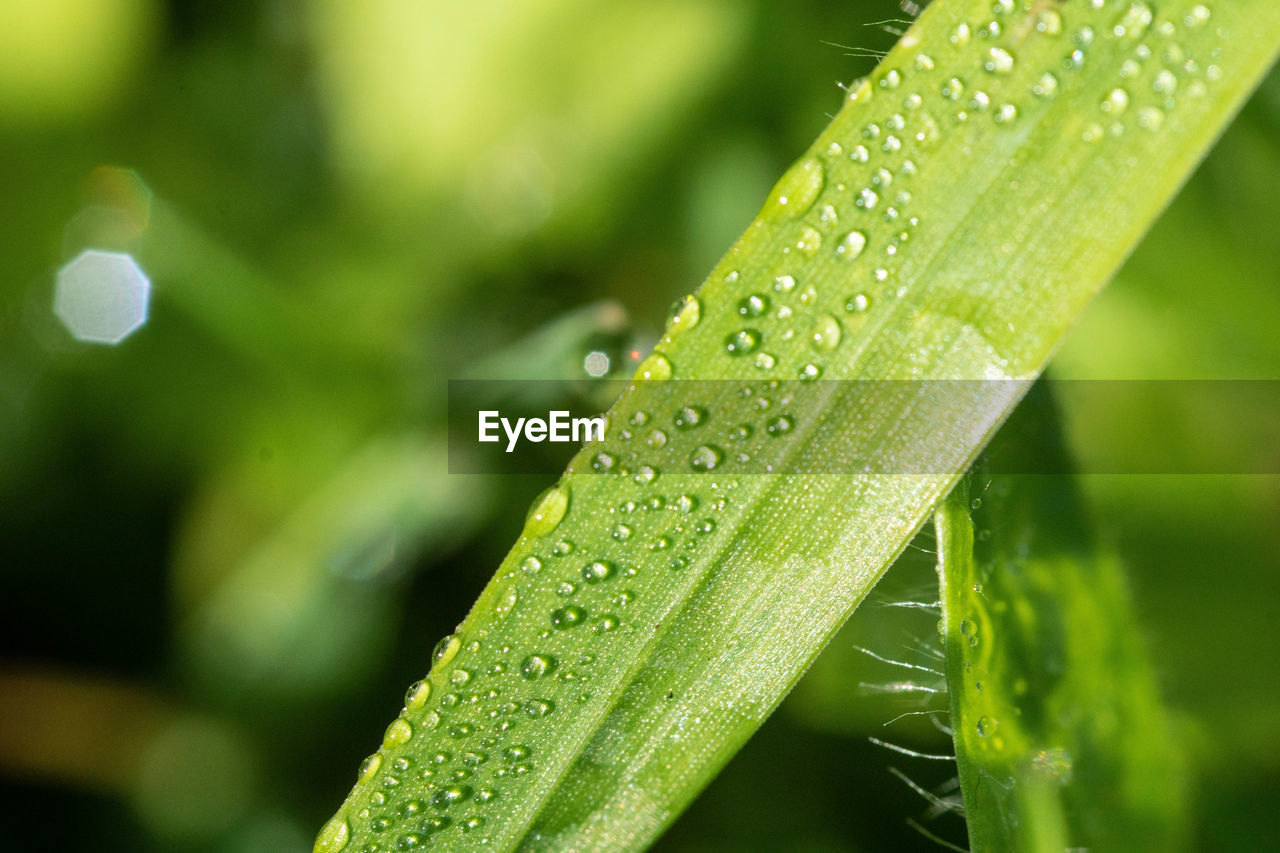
999, 61
753, 305
826, 332
369, 768
655, 367
780, 425
597, 571
568, 617
852, 245
537, 666
689, 417
706, 458
418, 694
687, 313
1046, 86
548, 510
397, 734
796, 192
333, 836
858, 303
445, 650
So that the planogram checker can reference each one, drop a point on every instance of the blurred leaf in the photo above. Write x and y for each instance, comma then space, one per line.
1060, 736
320, 580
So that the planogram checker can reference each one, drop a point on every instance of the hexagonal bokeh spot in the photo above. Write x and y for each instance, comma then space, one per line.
102, 297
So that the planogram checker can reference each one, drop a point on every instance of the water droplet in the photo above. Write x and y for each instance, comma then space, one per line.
780, 425
852, 245
1150, 118
860, 89
418, 694
689, 417
568, 617
1046, 86
1115, 102
655, 367
446, 797
398, 734
706, 458
765, 361
999, 61
445, 650
810, 371
924, 62
530, 565
858, 303
986, 726
368, 769
867, 199
1197, 16
828, 215
784, 283
548, 509
537, 666
798, 189
970, 629
1134, 22
753, 305
961, 35
459, 676
507, 603
597, 571
810, 240
1165, 82
742, 342
826, 332
1005, 114
1049, 22
333, 836
686, 315
953, 88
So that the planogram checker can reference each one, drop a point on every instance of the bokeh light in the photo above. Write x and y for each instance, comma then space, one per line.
102, 297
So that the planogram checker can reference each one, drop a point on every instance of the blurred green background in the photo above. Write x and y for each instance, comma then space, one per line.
228, 543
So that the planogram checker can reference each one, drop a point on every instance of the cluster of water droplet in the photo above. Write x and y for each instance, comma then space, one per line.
457, 747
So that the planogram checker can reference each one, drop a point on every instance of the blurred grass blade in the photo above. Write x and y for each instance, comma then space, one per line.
951, 222
1060, 737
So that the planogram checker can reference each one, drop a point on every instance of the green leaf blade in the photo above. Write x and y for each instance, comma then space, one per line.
1061, 739
980, 235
